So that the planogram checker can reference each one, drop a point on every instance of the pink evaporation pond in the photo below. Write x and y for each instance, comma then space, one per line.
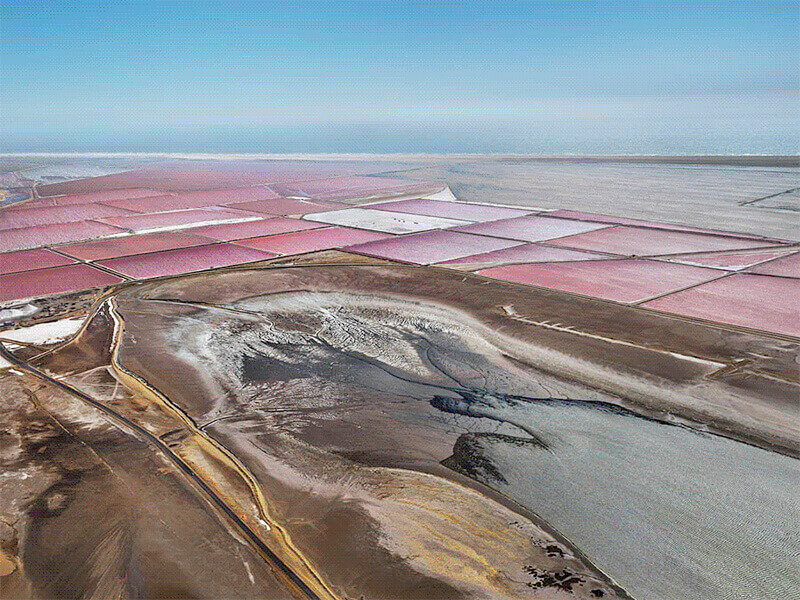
183, 260
618, 280
526, 253
34, 217
284, 206
632, 241
178, 218
312, 240
230, 195
531, 228
451, 210
730, 260
432, 247
582, 216
756, 301
206, 175
29, 260
197, 199
251, 229
31, 237
348, 187
92, 197
786, 267
155, 204
132, 244
43, 282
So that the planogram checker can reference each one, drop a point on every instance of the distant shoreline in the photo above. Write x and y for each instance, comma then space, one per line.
733, 160
742, 160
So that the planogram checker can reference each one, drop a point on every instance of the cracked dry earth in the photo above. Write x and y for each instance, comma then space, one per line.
336, 432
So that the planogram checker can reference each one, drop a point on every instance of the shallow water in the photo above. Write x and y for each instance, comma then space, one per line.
667, 511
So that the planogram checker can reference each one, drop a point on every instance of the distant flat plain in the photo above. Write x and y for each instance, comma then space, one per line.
741, 194
747, 194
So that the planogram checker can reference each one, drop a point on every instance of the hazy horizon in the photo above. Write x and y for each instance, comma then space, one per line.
380, 77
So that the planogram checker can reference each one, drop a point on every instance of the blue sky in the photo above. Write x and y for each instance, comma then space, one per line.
132, 68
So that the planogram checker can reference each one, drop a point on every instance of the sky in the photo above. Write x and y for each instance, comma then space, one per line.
395, 76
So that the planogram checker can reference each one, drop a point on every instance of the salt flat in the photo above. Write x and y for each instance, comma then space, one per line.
700, 194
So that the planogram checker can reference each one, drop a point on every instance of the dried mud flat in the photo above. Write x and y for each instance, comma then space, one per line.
382, 431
